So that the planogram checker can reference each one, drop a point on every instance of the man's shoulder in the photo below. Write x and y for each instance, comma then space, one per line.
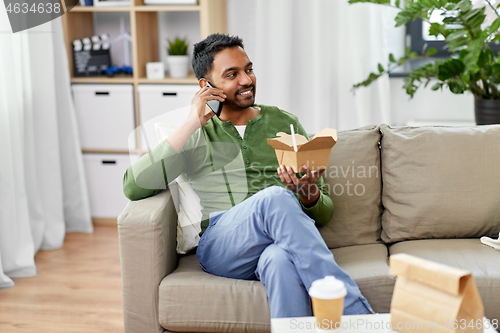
274, 111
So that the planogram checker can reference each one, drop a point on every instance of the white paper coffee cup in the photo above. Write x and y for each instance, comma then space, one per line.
327, 296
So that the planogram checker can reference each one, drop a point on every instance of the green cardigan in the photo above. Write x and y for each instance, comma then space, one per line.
223, 168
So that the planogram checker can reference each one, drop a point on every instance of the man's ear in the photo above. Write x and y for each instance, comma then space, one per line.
202, 82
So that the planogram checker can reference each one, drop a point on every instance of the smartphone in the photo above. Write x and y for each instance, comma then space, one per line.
215, 105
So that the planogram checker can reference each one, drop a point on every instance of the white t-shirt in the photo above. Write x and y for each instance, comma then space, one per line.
241, 130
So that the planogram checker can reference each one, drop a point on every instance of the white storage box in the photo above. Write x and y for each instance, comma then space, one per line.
105, 114
111, 3
170, 2
105, 182
163, 103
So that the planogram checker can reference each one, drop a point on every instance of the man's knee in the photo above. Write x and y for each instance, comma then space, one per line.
273, 259
278, 195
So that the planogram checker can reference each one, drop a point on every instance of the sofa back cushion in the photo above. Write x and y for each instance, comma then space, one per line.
440, 182
353, 179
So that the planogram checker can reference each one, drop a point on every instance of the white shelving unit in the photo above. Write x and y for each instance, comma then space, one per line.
149, 25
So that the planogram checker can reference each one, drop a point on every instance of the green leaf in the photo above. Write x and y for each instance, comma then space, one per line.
464, 5
474, 19
391, 58
431, 51
435, 28
450, 68
495, 25
380, 68
465, 78
177, 46
436, 86
372, 77
411, 11
457, 39
486, 58
471, 59
407, 51
456, 86
496, 73
474, 69
397, 3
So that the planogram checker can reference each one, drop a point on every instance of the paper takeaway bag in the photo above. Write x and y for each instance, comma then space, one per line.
315, 153
442, 298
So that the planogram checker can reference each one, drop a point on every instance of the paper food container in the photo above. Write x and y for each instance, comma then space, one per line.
432, 297
315, 153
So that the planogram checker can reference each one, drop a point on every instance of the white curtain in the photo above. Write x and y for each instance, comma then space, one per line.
309, 53
43, 192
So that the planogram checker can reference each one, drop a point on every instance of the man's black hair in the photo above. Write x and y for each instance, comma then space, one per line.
204, 52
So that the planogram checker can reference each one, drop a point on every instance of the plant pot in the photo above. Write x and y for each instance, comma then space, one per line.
487, 111
178, 66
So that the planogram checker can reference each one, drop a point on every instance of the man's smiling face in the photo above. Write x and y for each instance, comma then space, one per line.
232, 72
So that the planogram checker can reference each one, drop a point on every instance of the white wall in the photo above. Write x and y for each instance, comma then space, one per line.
429, 106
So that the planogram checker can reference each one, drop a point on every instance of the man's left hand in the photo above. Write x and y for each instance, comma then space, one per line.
306, 186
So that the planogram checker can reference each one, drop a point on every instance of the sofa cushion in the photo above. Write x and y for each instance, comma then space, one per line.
195, 301
353, 179
469, 254
440, 182
368, 266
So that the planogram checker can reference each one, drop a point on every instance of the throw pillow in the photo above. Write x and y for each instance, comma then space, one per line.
354, 181
187, 202
440, 182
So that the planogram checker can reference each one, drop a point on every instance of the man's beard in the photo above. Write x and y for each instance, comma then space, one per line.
238, 104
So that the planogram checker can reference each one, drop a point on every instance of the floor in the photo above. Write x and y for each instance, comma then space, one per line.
77, 288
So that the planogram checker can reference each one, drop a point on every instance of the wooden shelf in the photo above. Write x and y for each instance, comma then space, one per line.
103, 79
106, 80
79, 8
144, 8
166, 8
190, 79
109, 151
186, 80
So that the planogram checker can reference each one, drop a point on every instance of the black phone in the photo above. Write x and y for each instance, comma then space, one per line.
215, 105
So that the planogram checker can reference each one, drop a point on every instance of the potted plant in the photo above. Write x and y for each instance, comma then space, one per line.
472, 64
177, 59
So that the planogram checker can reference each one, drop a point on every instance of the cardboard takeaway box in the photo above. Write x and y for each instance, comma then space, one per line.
432, 297
315, 153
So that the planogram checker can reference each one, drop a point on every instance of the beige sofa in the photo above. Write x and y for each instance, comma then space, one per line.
427, 191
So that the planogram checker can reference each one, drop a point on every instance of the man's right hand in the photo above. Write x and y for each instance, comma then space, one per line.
198, 105
197, 116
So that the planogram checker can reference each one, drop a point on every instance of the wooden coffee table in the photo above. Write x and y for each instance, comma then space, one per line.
380, 323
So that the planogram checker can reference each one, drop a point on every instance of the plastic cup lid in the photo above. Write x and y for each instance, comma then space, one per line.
327, 288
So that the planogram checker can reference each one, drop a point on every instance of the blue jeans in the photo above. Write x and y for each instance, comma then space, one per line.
268, 237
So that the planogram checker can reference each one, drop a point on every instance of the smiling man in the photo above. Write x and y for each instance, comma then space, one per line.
259, 218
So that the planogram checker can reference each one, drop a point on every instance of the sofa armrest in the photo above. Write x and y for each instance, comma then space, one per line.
147, 236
